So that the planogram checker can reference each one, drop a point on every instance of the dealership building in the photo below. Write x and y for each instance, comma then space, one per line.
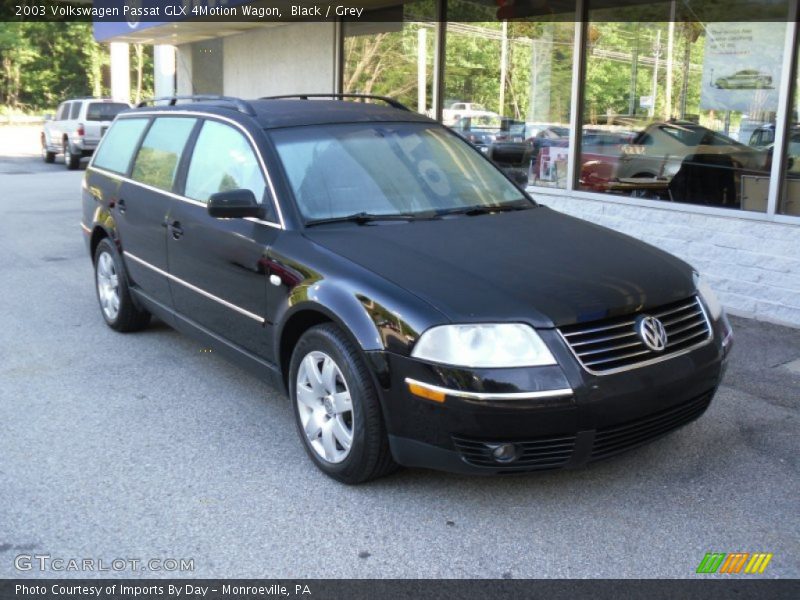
675, 122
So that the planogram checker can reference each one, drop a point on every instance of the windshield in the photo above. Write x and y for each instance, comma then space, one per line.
387, 169
104, 111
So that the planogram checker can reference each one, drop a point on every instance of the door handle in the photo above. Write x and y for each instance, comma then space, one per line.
175, 230
121, 205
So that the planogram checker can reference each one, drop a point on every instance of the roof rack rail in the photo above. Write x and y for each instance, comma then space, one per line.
238, 104
390, 101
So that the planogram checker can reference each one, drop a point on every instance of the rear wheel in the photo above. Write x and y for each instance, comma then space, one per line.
113, 294
71, 159
336, 407
47, 156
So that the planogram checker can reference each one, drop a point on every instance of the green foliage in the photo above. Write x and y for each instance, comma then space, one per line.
43, 63
155, 167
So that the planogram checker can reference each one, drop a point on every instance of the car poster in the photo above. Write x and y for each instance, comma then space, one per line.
741, 66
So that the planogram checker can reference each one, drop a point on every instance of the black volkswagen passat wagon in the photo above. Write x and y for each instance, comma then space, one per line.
419, 308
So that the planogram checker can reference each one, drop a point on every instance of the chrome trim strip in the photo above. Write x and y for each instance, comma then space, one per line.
489, 396
194, 288
264, 170
86, 230
652, 361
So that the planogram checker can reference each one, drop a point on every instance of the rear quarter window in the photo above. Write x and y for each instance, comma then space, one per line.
75, 111
119, 144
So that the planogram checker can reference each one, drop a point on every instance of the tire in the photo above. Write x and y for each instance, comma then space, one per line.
329, 417
113, 294
47, 156
71, 160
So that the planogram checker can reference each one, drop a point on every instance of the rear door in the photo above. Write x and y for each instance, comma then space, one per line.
218, 266
142, 209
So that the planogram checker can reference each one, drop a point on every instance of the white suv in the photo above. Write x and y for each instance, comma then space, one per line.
77, 128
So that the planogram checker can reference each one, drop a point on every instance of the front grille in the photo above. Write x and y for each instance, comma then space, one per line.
620, 438
613, 344
534, 455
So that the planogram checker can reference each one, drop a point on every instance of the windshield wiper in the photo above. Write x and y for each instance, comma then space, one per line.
482, 209
363, 217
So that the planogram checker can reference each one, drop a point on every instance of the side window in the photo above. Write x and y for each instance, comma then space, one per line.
76, 109
158, 158
118, 145
222, 160
62, 111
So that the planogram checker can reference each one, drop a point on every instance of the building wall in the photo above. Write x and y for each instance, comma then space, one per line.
287, 59
208, 67
753, 266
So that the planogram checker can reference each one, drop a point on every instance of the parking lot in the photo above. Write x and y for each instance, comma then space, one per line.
145, 446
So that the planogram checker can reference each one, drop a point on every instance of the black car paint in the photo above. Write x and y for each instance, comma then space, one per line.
386, 283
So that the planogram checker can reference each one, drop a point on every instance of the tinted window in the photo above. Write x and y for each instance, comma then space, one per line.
118, 145
161, 151
76, 108
104, 111
62, 110
222, 160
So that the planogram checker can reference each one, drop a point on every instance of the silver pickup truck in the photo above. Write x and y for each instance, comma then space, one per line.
77, 128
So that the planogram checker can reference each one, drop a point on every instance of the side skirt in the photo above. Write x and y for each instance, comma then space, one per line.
264, 370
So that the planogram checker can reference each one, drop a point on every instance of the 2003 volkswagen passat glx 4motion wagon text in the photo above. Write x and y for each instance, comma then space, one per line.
419, 308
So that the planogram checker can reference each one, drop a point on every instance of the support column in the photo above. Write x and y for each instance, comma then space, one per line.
120, 72
164, 70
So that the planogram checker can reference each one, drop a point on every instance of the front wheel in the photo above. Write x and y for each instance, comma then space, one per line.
113, 294
336, 407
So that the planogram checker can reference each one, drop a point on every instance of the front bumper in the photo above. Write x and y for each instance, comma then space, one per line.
589, 418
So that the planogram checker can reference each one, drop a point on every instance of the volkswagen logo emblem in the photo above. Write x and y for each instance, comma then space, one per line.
652, 333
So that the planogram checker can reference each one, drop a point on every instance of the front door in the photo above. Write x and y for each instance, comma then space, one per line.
218, 266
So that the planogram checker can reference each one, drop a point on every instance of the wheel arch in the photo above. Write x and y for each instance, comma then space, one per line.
352, 319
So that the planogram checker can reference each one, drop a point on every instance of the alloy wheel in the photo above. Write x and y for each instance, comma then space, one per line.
108, 286
325, 406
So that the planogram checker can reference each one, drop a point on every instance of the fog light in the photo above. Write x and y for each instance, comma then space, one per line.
505, 453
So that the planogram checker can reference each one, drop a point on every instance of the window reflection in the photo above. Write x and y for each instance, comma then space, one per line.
790, 199
507, 89
680, 111
394, 57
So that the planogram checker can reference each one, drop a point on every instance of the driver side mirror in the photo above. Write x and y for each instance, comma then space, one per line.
234, 204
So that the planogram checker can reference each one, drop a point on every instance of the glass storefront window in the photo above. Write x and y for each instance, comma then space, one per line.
790, 200
393, 58
680, 110
507, 89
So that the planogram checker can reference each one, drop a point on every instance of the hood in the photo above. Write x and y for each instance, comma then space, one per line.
535, 265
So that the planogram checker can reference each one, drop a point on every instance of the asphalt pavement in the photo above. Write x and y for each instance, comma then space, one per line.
143, 446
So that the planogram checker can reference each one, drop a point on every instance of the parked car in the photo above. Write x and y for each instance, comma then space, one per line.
418, 308
659, 150
482, 131
77, 128
459, 110
746, 79
762, 137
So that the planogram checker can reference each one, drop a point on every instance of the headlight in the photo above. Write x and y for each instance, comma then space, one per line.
484, 346
708, 296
